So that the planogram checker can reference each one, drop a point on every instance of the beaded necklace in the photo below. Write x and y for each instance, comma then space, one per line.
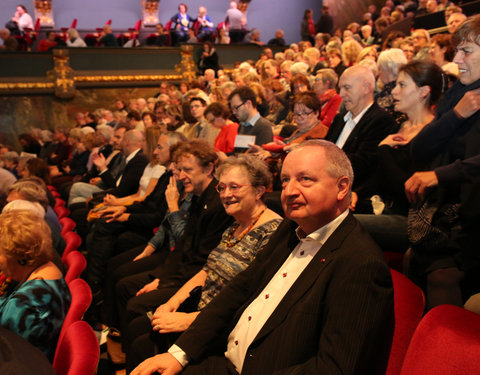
230, 241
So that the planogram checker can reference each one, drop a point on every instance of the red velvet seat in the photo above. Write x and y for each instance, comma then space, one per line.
73, 242
81, 299
76, 263
62, 211
409, 304
78, 352
446, 342
67, 225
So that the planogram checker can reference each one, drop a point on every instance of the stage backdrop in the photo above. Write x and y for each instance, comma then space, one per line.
266, 15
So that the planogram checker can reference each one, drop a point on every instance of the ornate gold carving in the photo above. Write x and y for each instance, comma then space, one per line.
150, 12
62, 74
187, 66
129, 78
43, 11
26, 85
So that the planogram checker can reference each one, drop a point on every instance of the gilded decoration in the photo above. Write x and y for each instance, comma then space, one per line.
44, 12
62, 75
150, 12
187, 67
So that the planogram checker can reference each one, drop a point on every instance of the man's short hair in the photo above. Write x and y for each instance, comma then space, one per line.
244, 93
329, 75
198, 99
203, 152
337, 162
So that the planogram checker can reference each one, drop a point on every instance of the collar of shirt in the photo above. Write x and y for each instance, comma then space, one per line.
252, 121
132, 155
349, 115
321, 234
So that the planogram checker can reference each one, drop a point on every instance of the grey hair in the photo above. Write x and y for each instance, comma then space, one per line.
30, 191
391, 60
337, 162
256, 169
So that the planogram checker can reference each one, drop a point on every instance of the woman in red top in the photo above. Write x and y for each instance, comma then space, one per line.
324, 86
217, 114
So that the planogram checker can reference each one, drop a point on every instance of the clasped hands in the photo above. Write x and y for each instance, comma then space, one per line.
166, 319
115, 213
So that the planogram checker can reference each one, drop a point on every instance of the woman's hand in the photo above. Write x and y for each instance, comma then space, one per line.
149, 249
167, 322
394, 140
149, 287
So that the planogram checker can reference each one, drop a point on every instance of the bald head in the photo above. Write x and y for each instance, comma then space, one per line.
357, 85
132, 140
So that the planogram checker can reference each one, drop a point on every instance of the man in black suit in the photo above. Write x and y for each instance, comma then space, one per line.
317, 300
359, 131
100, 251
243, 103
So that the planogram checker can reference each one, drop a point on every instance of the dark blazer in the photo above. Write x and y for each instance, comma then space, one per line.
203, 232
130, 176
337, 318
361, 145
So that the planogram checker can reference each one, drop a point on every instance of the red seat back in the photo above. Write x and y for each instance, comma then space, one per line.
78, 352
73, 242
409, 304
446, 342
67, 225
81, 299
76, 263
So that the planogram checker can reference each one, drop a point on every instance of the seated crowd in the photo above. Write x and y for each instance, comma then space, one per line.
239, 223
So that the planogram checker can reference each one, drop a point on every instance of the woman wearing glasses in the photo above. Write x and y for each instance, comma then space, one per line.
243, 181
306, 114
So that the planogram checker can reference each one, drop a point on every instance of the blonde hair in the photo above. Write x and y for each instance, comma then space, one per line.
25, 238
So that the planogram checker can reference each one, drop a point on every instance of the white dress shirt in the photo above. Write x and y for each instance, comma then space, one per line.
350, 124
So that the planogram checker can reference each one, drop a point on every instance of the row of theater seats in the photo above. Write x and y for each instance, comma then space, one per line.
77, 350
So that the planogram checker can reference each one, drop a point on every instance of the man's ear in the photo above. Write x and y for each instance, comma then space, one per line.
208, 169
343, 186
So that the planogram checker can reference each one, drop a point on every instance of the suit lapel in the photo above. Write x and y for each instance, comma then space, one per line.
308, 277
359, 128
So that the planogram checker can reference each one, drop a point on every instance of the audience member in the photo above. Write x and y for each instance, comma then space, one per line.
217, 114
389, 63
106, 38
180, 24
36, 304
443, 259
205, 25
46, 44
74, 40
9, 42
243, 104
358, 131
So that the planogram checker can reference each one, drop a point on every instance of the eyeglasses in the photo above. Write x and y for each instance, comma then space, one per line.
304, 114
235, 108
234, 188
